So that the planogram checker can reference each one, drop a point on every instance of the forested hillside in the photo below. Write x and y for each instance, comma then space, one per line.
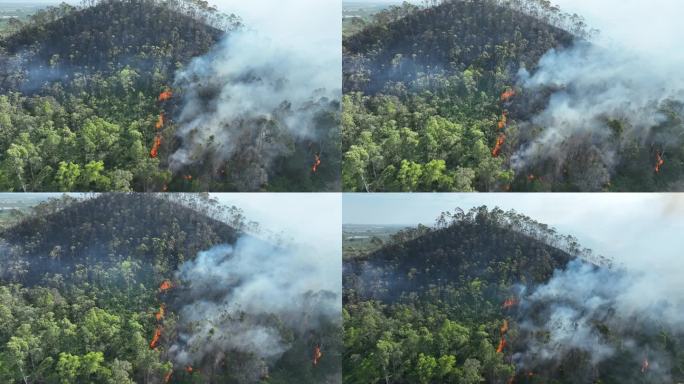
90, 99
99, 289
456, 303
436, 100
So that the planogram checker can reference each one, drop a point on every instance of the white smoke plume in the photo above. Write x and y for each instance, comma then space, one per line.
584, 307
236, 290
264, 82
247, 304
607, 79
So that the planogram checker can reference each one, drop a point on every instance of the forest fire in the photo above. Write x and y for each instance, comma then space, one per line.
659, 162
644, 365
502, 331
189, 369
166, 95
504, 327
509, 303
155, 339
317, 354
499, 144
503, 121
159, 315
167, 377
165, 286
154, 152
160, 122
316, 163
502, 345
507, 95
188, 177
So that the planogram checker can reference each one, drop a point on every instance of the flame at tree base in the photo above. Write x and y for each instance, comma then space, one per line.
317, 354
159, 315
507, 95
316, 164
165, 286
500, 141
509, 303
166, 95
155, 339
154, 152
659, 162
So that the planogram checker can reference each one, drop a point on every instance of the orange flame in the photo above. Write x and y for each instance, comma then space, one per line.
503, 121
160, 122
188, 177
317, 355
502, 345
507, 94
155, 339
499, 144
644, 365
165, 286
159, 315
659, 162
166, 95
316, 163
167, 377
510, 302
189, 369
154, 152
504, 327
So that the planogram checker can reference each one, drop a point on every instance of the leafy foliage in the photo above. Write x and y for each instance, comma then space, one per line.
79, 291
80, 107
422, 91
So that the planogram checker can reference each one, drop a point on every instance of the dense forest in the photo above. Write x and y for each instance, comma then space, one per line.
99, 289
434, 100
454, 303
90, 101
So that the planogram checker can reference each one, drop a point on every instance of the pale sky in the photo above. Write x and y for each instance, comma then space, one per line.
630, 228
651, 27
308, 218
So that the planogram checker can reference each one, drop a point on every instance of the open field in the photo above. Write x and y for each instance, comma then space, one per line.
360, 239
19, 10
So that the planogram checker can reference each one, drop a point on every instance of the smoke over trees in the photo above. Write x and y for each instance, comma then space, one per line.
494, 296
123, 288
423, 110
80, 103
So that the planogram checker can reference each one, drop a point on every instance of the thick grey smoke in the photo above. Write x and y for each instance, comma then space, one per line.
261, 88
249, 298
597, 83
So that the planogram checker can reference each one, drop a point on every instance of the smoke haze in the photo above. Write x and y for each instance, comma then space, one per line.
258, 299
263, 86
626, 74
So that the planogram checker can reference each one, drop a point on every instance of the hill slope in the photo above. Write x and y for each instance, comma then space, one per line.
80, 105
494, 96
485, 297
129, 95
450, 37
132, 288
